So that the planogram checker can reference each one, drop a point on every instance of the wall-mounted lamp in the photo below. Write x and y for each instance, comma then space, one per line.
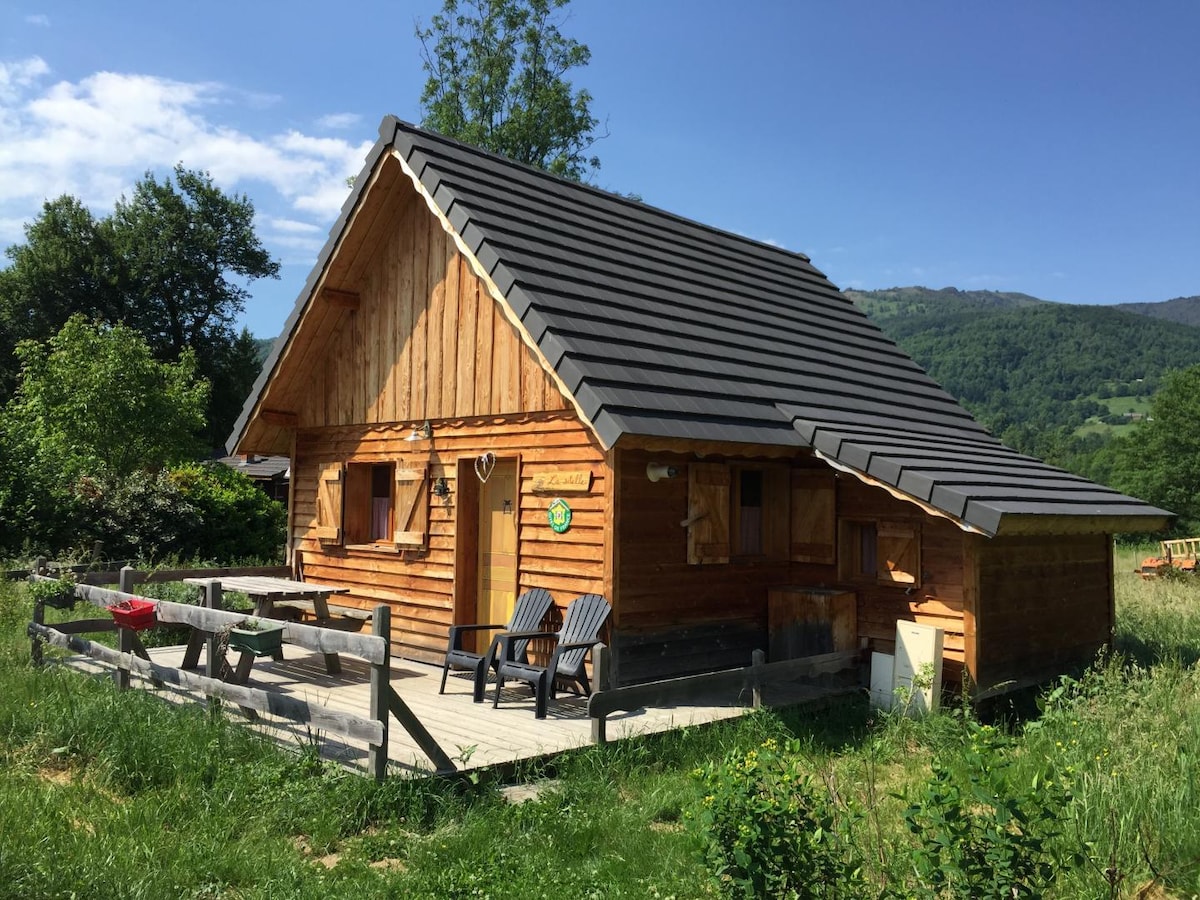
441, 488
658, 471
423, 433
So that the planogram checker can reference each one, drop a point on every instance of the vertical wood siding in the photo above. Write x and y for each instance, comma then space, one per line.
1046, 605
426, 342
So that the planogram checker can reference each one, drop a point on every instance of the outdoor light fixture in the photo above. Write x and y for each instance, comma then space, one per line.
658, 471
441, 488
423, 433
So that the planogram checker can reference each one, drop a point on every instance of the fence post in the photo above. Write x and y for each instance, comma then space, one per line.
381, 683
124, 635
214, 663
39, 615
757, 659
601, 668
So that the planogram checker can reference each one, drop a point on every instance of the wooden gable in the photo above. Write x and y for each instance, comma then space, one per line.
402, 329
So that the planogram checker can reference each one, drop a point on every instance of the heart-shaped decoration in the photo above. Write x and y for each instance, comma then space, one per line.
484, 466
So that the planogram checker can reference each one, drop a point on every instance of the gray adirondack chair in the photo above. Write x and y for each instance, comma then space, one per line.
528, 612
579, 633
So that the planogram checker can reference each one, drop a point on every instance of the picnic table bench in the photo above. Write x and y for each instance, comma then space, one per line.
265, 592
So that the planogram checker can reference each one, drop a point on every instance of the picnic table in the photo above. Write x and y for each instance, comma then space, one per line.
266, 592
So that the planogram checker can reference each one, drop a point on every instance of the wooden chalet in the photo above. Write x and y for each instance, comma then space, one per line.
495, 379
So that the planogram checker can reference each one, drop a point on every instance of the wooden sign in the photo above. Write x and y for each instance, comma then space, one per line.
562, 482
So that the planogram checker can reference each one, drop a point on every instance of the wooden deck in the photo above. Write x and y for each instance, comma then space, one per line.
473, 735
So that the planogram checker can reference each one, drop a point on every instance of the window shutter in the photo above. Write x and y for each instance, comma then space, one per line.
898, 546
814, 526
777, 513
329, 503
412, 507
708, 513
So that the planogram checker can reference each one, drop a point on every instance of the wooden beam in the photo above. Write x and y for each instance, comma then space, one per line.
340, 299
315, 714
279, 417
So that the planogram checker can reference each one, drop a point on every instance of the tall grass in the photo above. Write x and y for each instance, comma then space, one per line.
121, 795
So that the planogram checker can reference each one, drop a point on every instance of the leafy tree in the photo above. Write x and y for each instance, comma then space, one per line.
93, 399
496, 80
172, 261
64, 267
180, 252
1160, 460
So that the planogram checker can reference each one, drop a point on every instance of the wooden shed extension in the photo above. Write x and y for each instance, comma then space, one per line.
561, 327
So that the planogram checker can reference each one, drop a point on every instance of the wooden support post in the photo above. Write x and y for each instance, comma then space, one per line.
757, 659
124, 635
39, 618
601, 669
214, 661
381, 684
40, 566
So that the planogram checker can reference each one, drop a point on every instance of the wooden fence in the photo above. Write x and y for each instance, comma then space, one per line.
736, 685
206, 623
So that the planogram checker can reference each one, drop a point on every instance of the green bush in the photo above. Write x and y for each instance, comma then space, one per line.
233, 519
201, 511
768, 831
142, 515
978, 834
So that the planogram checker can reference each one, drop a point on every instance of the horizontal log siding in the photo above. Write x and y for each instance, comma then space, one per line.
1045, 607
674, 618
936, 601
427, 341
420, 586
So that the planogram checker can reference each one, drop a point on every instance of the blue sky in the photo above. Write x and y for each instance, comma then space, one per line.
1045, 147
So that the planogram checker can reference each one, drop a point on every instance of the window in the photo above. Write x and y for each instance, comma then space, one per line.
737, 511
883, 552
748, 513
368, 515
373, 504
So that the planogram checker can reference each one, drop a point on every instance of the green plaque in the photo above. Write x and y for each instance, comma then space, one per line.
559, 515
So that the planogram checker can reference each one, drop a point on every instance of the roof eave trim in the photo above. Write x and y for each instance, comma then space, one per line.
900, 495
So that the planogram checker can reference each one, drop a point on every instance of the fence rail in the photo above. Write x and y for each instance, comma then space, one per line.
735, 684
209, 620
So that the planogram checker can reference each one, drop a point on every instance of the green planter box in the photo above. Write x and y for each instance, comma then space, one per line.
261, 640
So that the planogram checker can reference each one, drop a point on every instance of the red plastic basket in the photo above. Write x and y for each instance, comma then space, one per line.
136, 614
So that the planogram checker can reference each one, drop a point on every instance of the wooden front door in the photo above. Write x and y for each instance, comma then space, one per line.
498, 512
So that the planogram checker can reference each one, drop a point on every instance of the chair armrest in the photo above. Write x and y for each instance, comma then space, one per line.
577, 645
504, 642
530, 635
457, 631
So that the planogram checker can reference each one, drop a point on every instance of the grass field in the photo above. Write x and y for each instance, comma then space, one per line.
120, 795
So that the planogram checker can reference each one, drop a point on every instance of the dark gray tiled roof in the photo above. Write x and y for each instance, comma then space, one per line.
664, 327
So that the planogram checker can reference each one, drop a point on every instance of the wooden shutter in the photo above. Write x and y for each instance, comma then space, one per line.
814, 526
898, 552
329, 503
708, 513
777, 530
412, 507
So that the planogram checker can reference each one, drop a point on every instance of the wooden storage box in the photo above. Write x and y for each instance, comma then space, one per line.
806, 621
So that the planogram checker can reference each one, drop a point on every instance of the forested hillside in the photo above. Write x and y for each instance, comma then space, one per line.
1030, 370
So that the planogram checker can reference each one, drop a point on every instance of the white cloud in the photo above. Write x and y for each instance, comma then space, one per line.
95, 137
338, 120
293, 226
42, 21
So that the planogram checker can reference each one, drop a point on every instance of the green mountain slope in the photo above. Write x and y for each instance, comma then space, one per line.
1184, 310
1027, 367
